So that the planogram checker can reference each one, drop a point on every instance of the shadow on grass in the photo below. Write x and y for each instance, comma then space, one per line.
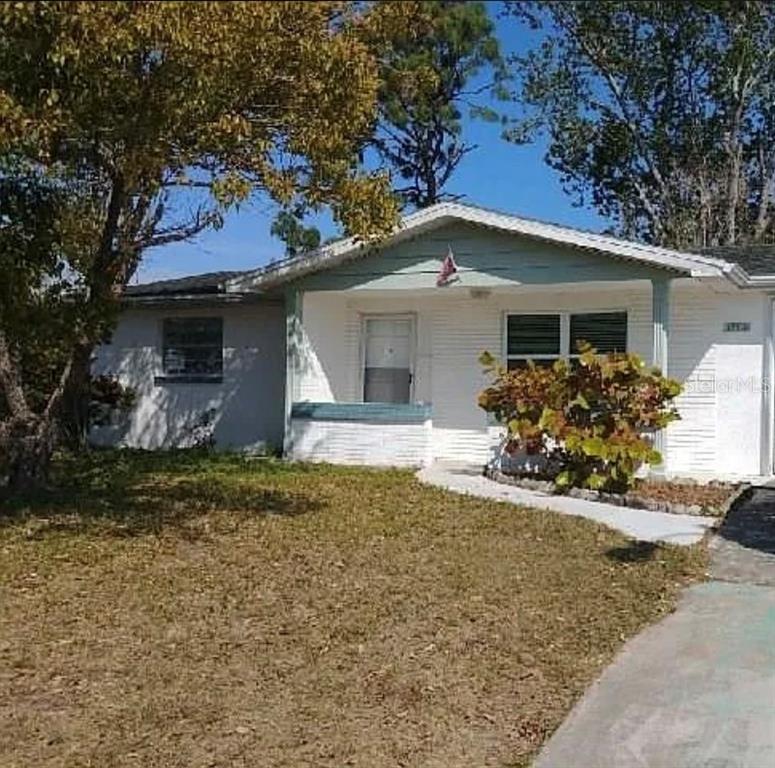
634, 552
135, 492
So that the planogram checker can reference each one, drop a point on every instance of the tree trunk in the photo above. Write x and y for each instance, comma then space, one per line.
734, 155
30, 448
27, 438
75, 403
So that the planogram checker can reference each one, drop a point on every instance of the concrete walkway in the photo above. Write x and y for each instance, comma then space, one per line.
696, 690
640, 524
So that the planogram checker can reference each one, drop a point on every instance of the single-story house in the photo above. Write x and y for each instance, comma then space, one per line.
364, 353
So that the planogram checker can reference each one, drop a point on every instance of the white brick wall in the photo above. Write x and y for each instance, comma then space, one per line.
348, 442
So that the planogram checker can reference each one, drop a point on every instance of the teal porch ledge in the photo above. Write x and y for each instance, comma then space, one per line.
393, 413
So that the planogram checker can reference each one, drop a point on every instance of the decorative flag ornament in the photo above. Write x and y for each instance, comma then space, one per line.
448, 268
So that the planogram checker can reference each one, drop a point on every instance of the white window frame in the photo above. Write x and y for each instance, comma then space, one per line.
364, 318
564, 315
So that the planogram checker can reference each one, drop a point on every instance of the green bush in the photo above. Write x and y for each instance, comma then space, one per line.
107, 396
592, 419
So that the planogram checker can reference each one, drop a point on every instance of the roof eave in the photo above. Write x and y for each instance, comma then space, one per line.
195, 299
760, 282
742, 279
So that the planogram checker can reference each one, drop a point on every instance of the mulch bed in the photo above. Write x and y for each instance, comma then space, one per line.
684, 497
712, 498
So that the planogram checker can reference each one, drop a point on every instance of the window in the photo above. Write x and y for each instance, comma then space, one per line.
543, 338
192, 349
605, 331
533, 337
387, 359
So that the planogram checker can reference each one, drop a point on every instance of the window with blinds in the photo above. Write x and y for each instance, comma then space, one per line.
545, 337
605, 331
533, 337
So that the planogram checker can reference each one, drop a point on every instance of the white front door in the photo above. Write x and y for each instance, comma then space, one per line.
388, 352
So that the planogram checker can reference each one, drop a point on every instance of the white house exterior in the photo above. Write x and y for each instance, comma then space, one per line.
375, 363
242, 408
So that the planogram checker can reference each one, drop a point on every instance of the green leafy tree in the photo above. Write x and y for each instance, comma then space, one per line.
141, 124
429, 81
288, 227
592, 420
40, 304
659, 113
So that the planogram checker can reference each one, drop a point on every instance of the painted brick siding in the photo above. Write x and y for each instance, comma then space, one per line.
342, 442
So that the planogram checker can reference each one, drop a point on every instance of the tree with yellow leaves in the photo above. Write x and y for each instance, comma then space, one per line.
146, 122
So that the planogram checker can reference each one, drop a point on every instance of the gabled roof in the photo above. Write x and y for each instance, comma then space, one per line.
326, 257
746, 266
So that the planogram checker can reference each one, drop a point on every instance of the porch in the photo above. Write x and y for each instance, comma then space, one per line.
391, 377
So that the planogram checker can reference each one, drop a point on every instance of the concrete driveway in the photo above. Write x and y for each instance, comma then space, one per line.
696, 690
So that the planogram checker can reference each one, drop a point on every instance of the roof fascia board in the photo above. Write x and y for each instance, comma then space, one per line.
197, 299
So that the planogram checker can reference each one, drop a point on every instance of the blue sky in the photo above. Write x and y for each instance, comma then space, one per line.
497, 175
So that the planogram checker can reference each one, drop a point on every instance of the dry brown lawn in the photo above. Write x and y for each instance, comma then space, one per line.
186, 610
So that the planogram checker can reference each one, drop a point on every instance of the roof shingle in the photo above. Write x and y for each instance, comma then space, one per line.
754, 259
209, 283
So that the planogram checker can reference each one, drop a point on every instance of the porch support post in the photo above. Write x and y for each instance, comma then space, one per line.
660, 314
293, 329
767, 463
